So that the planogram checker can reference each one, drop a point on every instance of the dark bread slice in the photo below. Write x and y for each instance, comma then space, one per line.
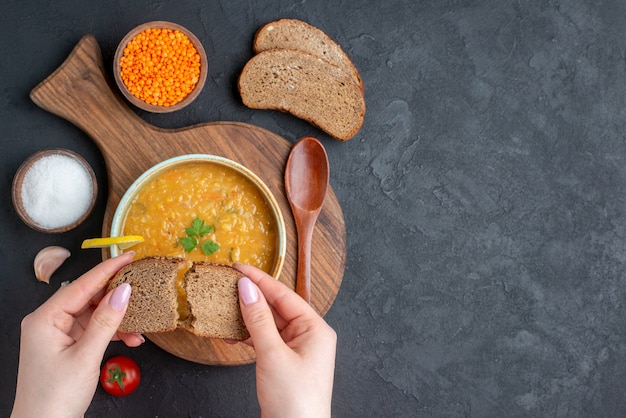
153, 301
171, 292
299, 35
213, 301
306, 86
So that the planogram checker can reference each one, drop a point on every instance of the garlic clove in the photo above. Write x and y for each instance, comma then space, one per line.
48, 260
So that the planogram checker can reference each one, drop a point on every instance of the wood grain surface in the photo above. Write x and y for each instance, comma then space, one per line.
79, 92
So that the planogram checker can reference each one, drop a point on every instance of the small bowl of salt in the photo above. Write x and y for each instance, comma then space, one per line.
54, 190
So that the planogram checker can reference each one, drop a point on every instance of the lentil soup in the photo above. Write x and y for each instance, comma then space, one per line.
226, 215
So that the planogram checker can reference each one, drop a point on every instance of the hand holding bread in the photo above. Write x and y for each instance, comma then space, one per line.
295, 347
64, 340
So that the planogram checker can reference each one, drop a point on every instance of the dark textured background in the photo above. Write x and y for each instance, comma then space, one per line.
484, 200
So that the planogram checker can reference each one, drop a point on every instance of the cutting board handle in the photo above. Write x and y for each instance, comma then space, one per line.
79, 92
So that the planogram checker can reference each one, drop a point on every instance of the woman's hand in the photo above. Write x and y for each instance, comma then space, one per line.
294, 346
63, 342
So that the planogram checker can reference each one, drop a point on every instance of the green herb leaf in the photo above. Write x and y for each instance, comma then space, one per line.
198, 228
189, 243
206, 229
209, 247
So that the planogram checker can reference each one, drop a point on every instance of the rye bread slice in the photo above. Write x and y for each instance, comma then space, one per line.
207, 293
305, 86
302, 36
153, 301
213, 301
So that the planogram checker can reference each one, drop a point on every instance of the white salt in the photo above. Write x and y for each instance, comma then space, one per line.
56, 191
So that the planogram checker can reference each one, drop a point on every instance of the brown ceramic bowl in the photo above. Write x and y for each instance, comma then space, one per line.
140, 103
18, 184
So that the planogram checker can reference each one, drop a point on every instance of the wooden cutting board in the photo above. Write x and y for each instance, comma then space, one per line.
79, 92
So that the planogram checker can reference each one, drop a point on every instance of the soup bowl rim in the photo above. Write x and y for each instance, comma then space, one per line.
119, 216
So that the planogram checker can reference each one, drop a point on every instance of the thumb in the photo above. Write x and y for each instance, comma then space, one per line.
258, 317
105, 320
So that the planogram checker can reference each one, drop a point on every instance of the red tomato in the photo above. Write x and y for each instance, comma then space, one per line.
120, 376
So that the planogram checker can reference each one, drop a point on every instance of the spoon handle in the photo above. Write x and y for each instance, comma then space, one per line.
303, 275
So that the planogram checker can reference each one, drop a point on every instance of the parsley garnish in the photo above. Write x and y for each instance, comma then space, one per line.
189, 243
209, 247
198, 228
194, 234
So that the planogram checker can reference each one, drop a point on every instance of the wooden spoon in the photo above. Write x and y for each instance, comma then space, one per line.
306, 182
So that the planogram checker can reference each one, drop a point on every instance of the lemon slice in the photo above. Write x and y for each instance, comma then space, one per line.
122, 242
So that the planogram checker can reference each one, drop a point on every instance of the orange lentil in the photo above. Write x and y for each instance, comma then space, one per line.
160, 66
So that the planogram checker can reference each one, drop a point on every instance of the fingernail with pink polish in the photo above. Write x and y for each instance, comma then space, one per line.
248, 291
120, 296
